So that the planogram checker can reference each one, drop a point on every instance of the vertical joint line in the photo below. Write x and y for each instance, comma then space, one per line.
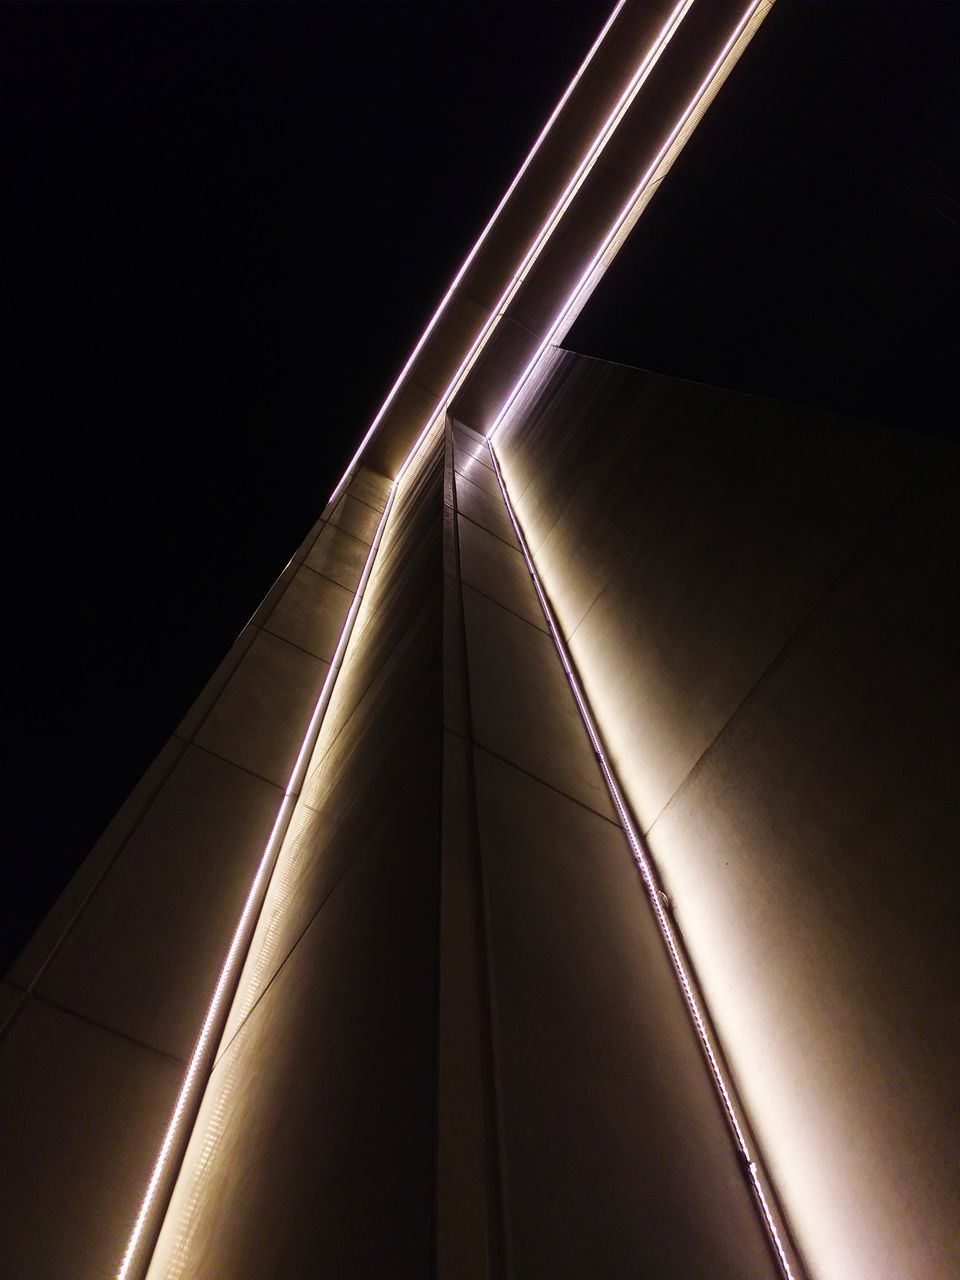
157, 1197
497, 1235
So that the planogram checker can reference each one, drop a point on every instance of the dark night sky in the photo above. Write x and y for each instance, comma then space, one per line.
807, 244
226, 226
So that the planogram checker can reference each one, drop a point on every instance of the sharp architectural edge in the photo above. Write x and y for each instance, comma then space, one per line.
741, 35
441, 308
693, 999
589, 159
159, 1189
147, 1222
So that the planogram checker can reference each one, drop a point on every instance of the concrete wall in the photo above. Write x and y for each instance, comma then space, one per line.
102, 1009
761, 601
608, 134
613, 1158
458, 1047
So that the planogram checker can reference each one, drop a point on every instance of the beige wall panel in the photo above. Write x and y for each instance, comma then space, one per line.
812, 860
168, 907
338, 556
499, 572
401, 426
189, 726
454, 334
522, 706
468, 1201
320, 849
477, 471
397, 626
310, 613
259, 720
322, 1163
356, 518
82, 1113
314, 1153
10, 997
682, 539
315, 530
461, 430
467, 447
25, 969
762, 601
504, 358
277, 588
485, 509
616, 1157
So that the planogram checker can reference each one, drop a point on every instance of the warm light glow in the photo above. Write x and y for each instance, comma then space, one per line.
655, 893
243, 931
589, 159
742, 33
242, 934
172, 1255
392, 393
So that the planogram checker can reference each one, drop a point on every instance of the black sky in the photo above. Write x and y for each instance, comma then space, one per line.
807, 243
225, 226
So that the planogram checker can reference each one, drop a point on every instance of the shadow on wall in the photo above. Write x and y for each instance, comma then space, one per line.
760, 602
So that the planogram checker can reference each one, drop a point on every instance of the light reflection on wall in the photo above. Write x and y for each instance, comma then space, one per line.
794, 864
444, 301
178, 1246
757, 1174
586, 164
261, 960
626, 219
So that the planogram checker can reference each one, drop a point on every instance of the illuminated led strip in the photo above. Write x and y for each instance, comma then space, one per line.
229, 972
587, 162
757, 10
391, 395
654, 892
637, 80
248, 918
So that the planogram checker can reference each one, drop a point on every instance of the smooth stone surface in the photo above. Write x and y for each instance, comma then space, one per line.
356, 518
498, 571
370, 487
682, 539
616, 1154
82, 1116
211, 691
26, 968
477, 470
485, 509
522, 706
762, 604
169, 906
329, 1171
339, 556
310, 613
260, 719
10, 997
468, 447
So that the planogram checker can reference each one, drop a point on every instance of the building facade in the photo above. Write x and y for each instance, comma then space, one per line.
549, 882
